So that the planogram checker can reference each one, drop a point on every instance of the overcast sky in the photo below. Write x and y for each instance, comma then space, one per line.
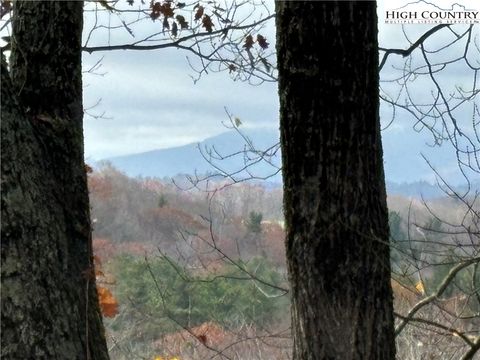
150, 100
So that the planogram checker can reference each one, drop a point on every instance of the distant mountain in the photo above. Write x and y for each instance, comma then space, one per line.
415, 189
212, 155
403, 163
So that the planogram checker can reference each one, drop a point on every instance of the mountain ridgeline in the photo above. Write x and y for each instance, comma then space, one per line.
407, 172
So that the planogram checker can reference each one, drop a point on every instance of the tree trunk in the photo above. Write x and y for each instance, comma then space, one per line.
49, 301
334, 200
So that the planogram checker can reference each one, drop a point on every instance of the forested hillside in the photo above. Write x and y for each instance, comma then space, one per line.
196, 271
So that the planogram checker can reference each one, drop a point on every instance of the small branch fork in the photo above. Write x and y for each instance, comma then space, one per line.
407, 52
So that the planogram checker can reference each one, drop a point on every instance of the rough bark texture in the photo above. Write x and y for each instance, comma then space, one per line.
49, 301
335, 201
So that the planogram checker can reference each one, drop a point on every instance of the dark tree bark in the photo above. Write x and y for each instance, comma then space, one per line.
49, 301
335, 200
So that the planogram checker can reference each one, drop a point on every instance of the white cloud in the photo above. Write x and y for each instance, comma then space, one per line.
150, 89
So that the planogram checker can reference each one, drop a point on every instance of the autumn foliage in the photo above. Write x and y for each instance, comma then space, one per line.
209, 334
154, 257
108, 303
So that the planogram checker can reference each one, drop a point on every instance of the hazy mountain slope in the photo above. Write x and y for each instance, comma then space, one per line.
188, 159
403, 163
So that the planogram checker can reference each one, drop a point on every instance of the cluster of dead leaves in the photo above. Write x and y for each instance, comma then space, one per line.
108, 303
206, 20
248, 45
261, 41
5, 7
164, 9
173, 22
